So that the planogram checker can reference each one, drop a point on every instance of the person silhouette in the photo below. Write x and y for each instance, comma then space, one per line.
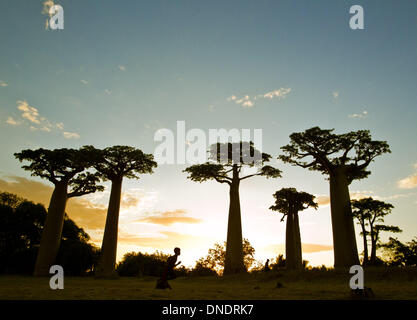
266, 268
168, 273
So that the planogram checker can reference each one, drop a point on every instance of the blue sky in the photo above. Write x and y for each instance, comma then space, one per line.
120, 70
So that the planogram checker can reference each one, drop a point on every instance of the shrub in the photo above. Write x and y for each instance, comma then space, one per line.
142, 264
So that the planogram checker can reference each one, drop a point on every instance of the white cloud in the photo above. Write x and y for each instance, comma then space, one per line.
28, 112
71, 135
358, 195
362, 115
396, 196
409, 182
245, 98
244, 102
12, 121
107, 91
324, 200
247, 104
247, 101
280, 93
46, 129
335, 94
122, 68
3, 84
31, 117
84, 81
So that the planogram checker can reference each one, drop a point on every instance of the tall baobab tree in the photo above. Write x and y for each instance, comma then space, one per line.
226, 161
65, 169
369, 212
343, 158
114, 164
289, 202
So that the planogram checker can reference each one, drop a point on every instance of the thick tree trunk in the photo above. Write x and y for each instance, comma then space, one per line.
106, 267
290, 245
52, 231
297, 241
365, 246
344, 240
234, 248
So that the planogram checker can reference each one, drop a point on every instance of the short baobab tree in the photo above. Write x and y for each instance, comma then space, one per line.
370, 214
289, 202
343, 158
65, 168
225, 165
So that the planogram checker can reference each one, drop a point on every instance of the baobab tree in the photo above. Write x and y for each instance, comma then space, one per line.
369, 212
225, 165
114, 164
65, 168
361, 216
343, 158
289, 202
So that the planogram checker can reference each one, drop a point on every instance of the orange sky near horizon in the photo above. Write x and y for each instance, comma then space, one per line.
143, 229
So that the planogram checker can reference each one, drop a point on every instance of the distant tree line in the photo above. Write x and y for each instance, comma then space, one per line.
21, 226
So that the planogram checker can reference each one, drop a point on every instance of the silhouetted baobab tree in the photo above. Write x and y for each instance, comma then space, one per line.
114, 164
64, 168
225, 166
369, 212
362, 216
344, 158
289, 202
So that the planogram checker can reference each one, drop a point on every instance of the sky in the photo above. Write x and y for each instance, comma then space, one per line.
121, 70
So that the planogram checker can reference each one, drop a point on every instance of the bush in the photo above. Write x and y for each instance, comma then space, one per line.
201, 270
142, 264
76, 257
401, 254
22, 261
278, 263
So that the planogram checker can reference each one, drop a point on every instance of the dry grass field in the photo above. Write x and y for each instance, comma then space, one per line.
397, 284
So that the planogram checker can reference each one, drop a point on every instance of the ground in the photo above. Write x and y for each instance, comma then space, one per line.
385, 283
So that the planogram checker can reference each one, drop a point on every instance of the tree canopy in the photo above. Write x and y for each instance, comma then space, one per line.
370, 212
322, 150
226, 161
120, 161
289, 200
62, 166
371, 209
